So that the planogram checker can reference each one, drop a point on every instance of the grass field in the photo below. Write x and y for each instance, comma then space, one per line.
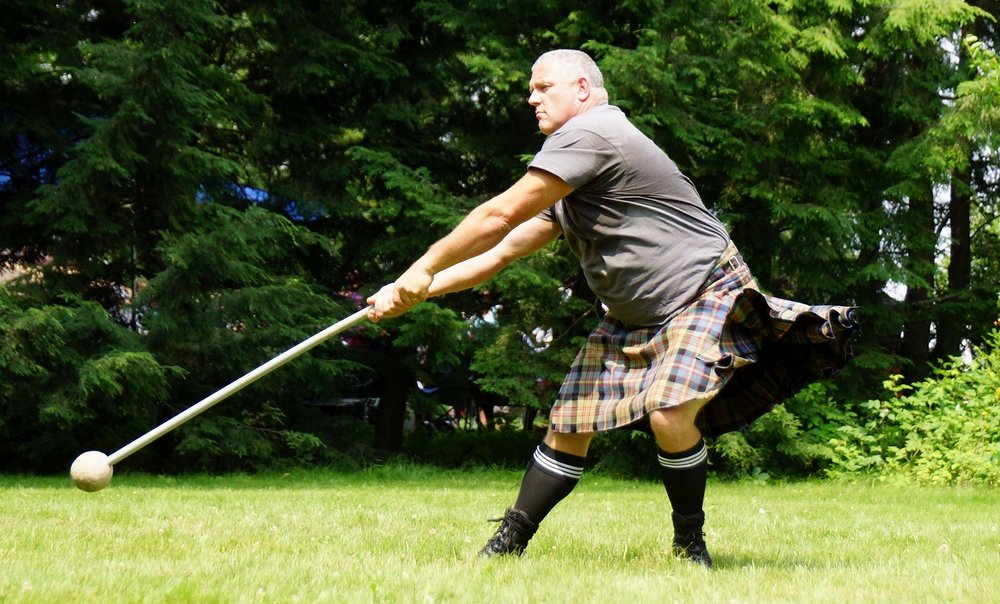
410, 534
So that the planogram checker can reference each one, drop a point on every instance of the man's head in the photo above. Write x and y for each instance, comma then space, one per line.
564, 84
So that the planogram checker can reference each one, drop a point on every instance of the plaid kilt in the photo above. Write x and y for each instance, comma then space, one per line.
738, 349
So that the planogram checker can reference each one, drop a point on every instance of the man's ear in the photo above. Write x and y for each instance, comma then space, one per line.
582, 89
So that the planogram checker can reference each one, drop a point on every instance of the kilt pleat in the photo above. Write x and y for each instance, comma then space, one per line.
734, 349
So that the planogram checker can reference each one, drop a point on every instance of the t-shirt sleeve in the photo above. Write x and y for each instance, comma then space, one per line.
576, 156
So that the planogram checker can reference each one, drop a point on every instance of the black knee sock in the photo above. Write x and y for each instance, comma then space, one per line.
550, 477
684, 475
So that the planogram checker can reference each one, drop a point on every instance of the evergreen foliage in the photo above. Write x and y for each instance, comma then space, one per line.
189, 188
71, 378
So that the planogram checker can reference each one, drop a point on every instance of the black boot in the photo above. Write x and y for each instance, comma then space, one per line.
512, 536
689, 538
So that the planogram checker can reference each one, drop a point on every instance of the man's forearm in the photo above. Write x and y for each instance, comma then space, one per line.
480, 231
489, 224
525, 239
479, 234
464, 275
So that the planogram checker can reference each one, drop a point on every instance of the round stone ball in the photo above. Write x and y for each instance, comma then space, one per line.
91, 471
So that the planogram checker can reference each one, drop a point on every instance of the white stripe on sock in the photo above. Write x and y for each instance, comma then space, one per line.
684, 462
557, 467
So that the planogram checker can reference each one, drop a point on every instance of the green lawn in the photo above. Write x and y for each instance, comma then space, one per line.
410, 534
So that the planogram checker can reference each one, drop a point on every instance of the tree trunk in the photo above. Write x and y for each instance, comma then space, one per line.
951, 328
530, 413
395, 382
920, 245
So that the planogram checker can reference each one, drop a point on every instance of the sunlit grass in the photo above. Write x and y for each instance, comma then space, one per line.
410, 534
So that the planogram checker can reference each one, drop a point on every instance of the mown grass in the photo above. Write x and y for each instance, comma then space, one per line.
410, 534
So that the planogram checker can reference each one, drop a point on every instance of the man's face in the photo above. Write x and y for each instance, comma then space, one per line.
554, 95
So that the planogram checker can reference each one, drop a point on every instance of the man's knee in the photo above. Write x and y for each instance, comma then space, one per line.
576, 443
674, 427
671, 419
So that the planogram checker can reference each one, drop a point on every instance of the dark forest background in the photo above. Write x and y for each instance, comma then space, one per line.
188, 188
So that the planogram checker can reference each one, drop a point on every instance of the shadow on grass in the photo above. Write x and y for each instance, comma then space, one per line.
295, 479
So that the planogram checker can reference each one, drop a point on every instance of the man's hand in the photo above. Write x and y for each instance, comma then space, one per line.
396, 298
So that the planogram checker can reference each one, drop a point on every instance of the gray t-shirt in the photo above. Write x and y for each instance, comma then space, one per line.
644, 238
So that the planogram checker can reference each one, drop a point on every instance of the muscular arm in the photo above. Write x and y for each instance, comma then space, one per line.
480, 231
523, 240
489, 223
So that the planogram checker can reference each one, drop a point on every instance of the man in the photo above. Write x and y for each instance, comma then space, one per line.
689, 347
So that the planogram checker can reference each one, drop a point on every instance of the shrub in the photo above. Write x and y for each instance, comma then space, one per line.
943, 430
508, 448
792, 440
625, 453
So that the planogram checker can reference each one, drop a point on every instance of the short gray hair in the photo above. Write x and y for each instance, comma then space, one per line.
575, 61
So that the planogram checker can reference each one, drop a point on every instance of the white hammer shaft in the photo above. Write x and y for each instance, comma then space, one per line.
237, 385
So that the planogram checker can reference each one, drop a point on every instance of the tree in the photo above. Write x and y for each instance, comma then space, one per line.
39, 103
318, 148
965, 144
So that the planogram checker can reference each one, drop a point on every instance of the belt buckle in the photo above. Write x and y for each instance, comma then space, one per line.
735, 262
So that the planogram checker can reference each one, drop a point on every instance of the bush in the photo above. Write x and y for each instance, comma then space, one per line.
940, 431
507, 448
792, 440
625, 453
